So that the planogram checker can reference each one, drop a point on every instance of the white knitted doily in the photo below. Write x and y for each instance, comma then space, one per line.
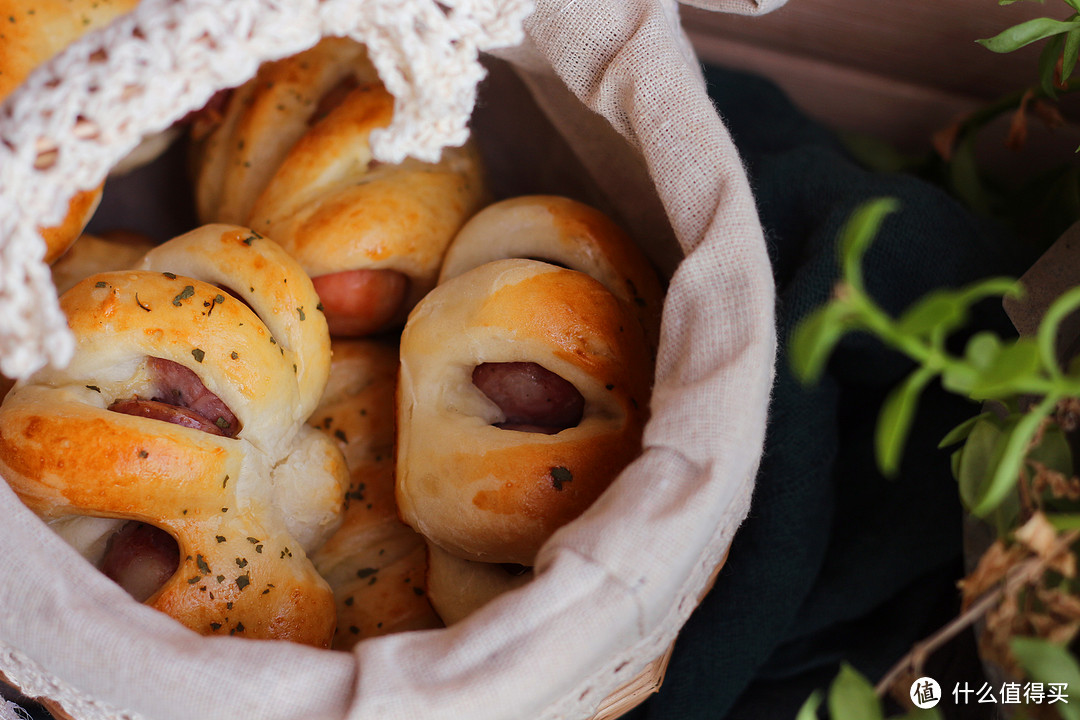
79, 114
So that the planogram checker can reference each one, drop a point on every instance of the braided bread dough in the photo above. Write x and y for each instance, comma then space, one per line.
292, 158
484, 493
375, 563
242, 509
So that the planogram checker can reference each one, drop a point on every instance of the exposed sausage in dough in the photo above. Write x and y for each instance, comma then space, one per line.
360, 302
532, 398
181, 398
156, 410
140, 558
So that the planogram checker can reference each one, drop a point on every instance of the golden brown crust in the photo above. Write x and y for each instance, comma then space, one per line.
263, 119
568, 233
301, 171
484, 493
243, 567
374, 563
59, 238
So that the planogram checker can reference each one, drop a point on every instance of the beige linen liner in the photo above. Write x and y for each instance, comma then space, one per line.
620, 83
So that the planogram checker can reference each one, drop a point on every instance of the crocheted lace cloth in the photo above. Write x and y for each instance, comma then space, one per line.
620, 83
92, 105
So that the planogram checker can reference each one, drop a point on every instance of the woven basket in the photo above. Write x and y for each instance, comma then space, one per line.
610, 96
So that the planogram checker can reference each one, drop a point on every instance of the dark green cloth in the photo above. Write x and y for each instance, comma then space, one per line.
835, 562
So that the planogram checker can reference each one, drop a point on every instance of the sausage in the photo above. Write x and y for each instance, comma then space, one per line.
333, 97
140, 558
157, 410
361, 302
532, 398
180, 386
182, 399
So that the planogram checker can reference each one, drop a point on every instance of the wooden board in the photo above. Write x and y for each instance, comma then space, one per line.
895, 69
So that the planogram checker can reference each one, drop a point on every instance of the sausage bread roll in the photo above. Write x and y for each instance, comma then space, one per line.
523, 393
292, 159
173, 450
374, 562
564, 232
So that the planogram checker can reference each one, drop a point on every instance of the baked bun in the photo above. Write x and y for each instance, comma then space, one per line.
567, 233
118, 250
523, 393
374, 563
181, 418
292, 159
458, 587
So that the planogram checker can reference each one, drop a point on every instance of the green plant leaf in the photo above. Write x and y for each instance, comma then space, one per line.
1026, 33
1007, 471
814, 338
858, 232
980, 354
1048, 327
1047, 662
1064, 522
991, 286
941, 310
809, 709
979, 457
1001, 378
1074, 4
1071, 53
982, 350
1053, 451
852, 697
961, 432
894, 421
1048, 65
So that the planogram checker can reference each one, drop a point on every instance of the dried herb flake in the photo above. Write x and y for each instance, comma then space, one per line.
187, 292
560, 475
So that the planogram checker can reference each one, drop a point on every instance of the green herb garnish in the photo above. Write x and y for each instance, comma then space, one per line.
187, 292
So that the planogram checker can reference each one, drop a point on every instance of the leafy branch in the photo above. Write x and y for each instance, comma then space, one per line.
1010, 455
989, 369
1059, 56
